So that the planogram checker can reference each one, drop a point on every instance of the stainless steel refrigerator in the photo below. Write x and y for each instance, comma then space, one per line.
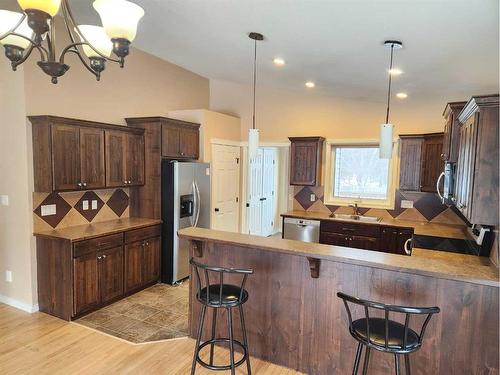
185, 203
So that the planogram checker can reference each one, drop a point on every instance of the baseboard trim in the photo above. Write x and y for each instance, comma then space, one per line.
18, 304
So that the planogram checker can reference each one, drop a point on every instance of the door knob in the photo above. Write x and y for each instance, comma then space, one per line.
216, 210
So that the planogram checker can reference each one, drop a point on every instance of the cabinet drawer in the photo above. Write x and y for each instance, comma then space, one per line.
99, 243
342, 227
142, 233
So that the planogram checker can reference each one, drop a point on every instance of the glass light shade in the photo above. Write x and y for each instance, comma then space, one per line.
48, 6
119, 18
385, 146
96, 36
8, 20
253, 142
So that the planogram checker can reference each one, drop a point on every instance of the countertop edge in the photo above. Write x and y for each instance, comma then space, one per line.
351, 260
54, 235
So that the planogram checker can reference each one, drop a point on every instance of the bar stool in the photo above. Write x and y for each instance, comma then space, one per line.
221, 296
383, 334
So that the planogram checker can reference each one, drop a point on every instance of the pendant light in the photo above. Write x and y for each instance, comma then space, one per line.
387, 128
253, 133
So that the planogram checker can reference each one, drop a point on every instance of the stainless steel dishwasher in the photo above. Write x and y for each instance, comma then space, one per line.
301, 229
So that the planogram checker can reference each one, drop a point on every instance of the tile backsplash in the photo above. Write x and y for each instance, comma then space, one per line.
426, 206
79, 207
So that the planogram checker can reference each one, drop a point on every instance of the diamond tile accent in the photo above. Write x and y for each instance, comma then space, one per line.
89, 214
397, 206
118, 202
429, 206
332, 208
62, 208
304, 197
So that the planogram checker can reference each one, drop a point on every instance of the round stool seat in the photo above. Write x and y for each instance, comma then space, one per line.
377, 334
230, 295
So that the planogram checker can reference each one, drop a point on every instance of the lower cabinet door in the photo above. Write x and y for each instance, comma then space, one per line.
151, 262
110, 273
335, 239
133, 265
389, 240
403, 236
85, 283
363, 242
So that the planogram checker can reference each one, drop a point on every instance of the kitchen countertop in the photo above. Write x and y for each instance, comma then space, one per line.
420, 228
449, 266
88, 231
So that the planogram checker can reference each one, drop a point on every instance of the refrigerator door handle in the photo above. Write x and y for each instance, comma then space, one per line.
192, 219
198, 203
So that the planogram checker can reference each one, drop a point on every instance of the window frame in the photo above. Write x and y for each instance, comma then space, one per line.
330, 199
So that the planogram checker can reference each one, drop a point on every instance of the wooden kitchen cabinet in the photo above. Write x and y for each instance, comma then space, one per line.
364, 242
305, 160
142, 257
75, 278
476, 184
451, 136
124, 159
335, 239
70, 154
393, 239
180, 139
420, 161
432, 163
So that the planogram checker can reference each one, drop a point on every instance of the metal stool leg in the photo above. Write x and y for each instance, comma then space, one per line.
367, 360
396, 362
407, 364
231, 343
198, 338
359, 351
245, 340
214, 323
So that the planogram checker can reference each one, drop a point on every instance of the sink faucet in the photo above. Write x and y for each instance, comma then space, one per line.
355, 209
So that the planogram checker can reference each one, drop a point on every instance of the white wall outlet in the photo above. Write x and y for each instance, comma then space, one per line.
85, 205
4, 200
8, 276
48, 209
94, 204
313, 197
406, 204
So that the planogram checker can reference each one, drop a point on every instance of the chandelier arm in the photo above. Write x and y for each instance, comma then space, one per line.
68, 17
11, 31
43, 51
26, 55
85, 64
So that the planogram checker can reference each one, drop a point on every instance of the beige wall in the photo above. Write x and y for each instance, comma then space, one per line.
147, 86
16, 181
214, 125
281, 113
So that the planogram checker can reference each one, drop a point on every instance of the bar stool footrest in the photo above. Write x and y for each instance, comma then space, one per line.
221, 367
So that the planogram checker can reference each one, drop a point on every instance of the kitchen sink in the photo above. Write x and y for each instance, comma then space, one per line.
360, 218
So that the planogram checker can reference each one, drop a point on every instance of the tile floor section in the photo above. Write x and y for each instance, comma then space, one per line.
156, 313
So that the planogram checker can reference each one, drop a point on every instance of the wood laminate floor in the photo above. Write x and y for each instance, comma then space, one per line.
41, 344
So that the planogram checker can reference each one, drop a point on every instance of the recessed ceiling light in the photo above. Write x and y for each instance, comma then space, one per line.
395, 71
310, 84
402, 95
279, 61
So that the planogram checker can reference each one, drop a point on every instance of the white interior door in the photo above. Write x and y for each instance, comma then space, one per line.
268, 197
225, 187
255, 194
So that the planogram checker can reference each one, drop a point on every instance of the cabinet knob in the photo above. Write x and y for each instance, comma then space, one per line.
79, 184
182, 154
84, 184
99, 258
104, 256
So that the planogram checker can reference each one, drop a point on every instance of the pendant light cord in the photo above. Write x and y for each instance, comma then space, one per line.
254, 80
389, 90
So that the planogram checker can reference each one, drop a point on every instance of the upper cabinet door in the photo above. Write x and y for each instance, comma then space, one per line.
432, 164
116, 158
66, 157
410, 162
305, 161
189, 141
135, 159
170, 136
92, 158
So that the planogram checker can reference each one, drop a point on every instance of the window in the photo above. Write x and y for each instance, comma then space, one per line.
357, 174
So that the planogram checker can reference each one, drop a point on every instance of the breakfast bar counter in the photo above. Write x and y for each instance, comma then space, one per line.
295, 319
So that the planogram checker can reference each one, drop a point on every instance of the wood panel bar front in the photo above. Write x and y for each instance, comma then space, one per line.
297, 321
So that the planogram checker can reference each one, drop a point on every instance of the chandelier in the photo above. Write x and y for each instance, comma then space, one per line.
34, 29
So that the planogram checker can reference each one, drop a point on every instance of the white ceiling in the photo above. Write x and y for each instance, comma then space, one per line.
451, 46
